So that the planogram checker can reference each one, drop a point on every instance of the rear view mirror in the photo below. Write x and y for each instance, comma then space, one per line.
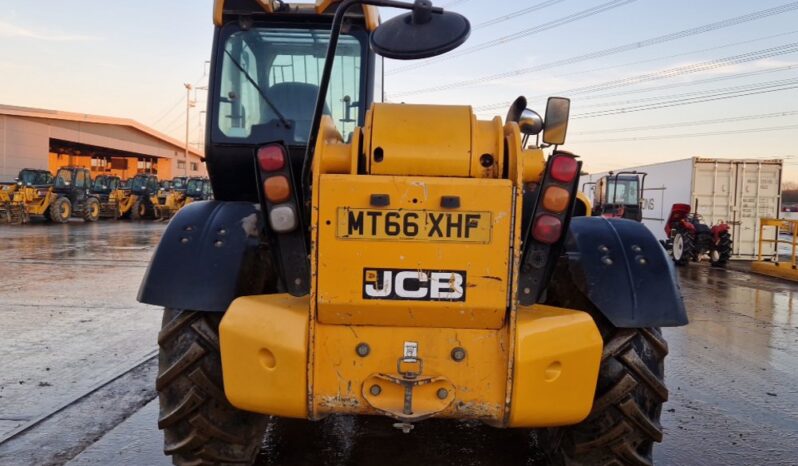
556, 122
424, 32
529, 121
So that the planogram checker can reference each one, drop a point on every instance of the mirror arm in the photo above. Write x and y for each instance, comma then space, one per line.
335, 33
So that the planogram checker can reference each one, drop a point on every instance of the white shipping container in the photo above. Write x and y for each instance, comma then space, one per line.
734, 191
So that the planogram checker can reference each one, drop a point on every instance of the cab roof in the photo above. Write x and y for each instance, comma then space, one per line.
326, 8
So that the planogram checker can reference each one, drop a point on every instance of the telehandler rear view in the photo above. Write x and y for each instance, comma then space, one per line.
109, 192
404, 261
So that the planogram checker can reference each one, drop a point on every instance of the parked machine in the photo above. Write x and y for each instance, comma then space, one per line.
108, 190
198, 189
72, 197
619, 195
28, 183
172, 198
68, 196
142, 200
689, 237
397, 260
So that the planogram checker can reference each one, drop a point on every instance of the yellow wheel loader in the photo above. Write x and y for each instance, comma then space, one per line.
68, 196
108, 190
140, 200
28, 183
396, 260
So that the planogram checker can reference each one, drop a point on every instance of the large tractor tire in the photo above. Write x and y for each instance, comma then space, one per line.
92, 213
683, 247
60, 210
624, 422
139, 210
200, 426
721, 254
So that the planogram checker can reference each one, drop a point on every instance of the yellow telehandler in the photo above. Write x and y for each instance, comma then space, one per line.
397, 260
29, 180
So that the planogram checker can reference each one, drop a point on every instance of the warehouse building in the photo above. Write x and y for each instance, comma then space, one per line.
48, 139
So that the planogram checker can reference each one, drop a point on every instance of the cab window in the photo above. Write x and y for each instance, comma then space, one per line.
268, 72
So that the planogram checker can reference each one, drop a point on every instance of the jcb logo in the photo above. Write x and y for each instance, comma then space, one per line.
414, 285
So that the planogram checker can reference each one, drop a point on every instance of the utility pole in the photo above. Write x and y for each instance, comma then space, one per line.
189, 104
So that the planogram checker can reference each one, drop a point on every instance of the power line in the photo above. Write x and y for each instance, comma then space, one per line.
672, 72
677, 55
166, 113
614, 50
678, 100
453, 3
740, 88
519, 35
690, 101
690, 135
516, 14
691, 83
691, 123
177, 104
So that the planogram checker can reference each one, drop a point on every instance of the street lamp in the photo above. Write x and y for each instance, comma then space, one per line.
189, 104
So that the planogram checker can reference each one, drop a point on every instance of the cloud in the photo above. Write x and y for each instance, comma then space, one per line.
13, 31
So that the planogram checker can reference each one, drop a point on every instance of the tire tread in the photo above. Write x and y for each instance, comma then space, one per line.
200, 426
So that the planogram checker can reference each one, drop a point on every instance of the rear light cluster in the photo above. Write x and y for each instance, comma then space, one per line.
280, 204
553, 201
557, 189
282, 211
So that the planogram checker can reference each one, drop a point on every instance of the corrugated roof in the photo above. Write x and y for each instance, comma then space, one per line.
29, 112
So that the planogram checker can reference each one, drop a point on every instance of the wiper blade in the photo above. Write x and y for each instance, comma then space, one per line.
274, 108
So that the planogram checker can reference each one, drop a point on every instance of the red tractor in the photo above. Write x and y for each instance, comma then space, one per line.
689, 238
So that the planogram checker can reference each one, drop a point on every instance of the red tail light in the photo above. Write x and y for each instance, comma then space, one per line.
564, 169
271, 158
547, 229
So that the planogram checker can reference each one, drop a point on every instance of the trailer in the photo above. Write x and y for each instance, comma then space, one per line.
734, 191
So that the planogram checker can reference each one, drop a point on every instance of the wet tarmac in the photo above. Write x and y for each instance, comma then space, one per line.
69, 313
732, 373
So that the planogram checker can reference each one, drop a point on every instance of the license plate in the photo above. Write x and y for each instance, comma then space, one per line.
414, 225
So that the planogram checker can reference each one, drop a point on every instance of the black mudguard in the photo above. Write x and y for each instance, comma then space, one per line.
624, 271
211, 253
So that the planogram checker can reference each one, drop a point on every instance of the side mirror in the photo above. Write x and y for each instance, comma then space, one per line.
556, 122
424, 32
530, 122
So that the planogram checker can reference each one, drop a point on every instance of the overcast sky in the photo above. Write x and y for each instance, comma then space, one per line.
650, 80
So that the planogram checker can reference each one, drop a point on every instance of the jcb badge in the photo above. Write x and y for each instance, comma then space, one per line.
414, 225
414, 285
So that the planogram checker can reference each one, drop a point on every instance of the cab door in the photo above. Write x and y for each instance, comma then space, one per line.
81, 189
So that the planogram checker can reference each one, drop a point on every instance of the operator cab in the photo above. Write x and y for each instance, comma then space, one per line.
71, 179
267, 68
30, 177
619, 195
178, 184
144, 185
105, 184
198, 188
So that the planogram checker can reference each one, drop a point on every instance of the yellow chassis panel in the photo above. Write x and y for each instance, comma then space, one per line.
266, 342
784, 270
343, 263
264, 348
